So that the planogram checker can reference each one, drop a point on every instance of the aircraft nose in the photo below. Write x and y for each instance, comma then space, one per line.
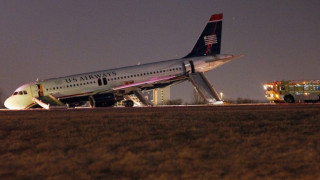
8, 103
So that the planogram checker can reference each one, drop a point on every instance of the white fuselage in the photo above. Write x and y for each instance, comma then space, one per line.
109, 80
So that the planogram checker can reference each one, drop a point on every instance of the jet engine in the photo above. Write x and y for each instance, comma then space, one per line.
102, 100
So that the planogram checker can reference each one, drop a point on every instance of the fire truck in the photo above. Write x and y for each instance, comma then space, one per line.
293, 91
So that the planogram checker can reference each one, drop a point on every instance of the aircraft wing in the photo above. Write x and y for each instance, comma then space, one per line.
144, 83
131, 85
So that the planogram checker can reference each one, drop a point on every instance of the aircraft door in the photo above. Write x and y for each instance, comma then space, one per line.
36, 90
189, 66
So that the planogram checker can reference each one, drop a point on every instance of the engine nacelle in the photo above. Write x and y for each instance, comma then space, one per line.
102, 100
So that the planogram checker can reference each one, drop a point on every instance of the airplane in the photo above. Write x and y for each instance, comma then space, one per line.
105, 88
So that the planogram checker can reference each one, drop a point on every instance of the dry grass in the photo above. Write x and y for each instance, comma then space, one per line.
246, 142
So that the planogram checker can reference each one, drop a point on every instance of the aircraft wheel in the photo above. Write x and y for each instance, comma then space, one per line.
289, 99
128, 103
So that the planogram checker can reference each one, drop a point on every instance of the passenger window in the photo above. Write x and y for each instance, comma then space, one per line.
25, 92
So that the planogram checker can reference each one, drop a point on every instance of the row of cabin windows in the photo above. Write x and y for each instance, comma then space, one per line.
71, 85
136, 75
141, 74
104, 81
20, 92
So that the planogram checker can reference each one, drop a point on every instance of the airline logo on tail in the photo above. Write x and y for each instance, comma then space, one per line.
209, 40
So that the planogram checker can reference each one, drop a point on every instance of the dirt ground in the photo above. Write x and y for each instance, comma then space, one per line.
200, 142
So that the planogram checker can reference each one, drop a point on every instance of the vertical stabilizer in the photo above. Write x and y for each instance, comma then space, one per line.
209, 43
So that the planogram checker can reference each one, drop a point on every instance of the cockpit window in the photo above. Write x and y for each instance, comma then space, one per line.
20, 92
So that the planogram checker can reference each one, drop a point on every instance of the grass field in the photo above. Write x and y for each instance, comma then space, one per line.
223, 142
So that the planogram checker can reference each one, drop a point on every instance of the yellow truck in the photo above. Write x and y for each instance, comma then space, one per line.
293, 91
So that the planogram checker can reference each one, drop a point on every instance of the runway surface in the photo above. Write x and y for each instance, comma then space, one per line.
273, 141
226, 107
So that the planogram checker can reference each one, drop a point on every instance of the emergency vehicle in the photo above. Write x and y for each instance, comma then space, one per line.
293, 91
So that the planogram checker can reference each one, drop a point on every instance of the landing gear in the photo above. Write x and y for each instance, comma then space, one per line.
128, 103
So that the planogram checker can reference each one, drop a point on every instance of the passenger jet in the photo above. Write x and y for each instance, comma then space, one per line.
105, 88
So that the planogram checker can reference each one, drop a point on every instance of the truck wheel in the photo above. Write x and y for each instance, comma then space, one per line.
289, 99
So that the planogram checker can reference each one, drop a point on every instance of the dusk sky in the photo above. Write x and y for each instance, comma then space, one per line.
44, 39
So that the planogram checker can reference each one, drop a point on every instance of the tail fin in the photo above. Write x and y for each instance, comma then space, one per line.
209, 42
